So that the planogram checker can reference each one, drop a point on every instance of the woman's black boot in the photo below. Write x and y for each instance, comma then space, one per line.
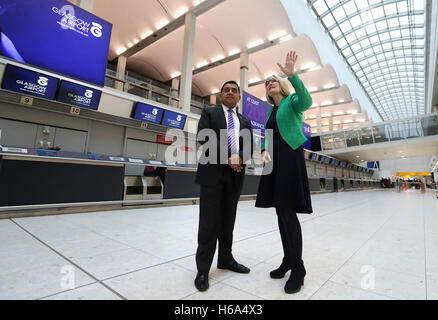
281, 270
296, 279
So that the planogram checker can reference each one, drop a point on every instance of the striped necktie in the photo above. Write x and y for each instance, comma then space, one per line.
231, 134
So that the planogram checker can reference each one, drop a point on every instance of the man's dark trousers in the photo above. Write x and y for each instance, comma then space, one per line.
218, 206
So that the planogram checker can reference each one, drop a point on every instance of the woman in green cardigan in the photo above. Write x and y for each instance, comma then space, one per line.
287, 188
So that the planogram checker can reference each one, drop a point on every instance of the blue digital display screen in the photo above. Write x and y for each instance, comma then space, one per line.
46, 153
29, 82
349, 165
334, 162
55, 35
314, 156
343, 164
92, 156
173, 119
78, 95
148, 113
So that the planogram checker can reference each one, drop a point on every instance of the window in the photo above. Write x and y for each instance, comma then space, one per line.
383, 42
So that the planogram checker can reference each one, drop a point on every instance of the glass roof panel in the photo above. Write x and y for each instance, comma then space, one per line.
383, 42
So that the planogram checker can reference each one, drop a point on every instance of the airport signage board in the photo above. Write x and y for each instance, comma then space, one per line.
29, 82
148, 113
173, 119
307, 133
256, 111
55, 35
78, 95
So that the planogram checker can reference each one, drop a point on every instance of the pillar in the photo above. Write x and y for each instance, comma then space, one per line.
185, 96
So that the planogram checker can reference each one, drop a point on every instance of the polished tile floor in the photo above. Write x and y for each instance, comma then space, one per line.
357, 245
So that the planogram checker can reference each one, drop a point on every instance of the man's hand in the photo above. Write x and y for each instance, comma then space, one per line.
235, 161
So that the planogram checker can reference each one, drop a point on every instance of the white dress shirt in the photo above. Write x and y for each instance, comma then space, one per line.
235, 121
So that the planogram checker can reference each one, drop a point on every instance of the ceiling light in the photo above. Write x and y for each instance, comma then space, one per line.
277, 35
136, 41
338, 113
315, 68
202, 64
352, 111
348, 121
181, 12
286, 38
311, 89
162, 24
233, 52
214, 91
360, 120
255, 44
146, 34
270, 75
120, 50
325, 103
312, 117
325, 115
130, 44
328, 86
337, 122
341, 100
253, 80
175, 75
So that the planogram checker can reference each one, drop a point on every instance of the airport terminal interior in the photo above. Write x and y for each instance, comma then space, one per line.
100, 102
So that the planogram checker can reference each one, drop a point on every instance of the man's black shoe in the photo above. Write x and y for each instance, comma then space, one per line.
201, 281
234, 266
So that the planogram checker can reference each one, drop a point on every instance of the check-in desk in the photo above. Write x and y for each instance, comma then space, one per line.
30, 179
329, 185
314, 183
180, 183
356, 184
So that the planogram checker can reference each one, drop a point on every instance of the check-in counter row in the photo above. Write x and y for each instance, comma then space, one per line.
333, 184
38, 177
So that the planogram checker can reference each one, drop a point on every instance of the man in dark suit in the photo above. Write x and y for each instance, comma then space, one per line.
221, 181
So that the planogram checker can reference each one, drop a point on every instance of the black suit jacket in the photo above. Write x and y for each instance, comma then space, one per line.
214, 118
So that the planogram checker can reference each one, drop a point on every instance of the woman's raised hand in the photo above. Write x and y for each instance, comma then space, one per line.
289, 67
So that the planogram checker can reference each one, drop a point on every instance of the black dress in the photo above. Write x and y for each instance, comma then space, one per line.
287, 186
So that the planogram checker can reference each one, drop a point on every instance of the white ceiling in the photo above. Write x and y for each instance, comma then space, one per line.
228, 28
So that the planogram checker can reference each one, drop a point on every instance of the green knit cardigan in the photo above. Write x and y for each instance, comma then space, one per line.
290, 115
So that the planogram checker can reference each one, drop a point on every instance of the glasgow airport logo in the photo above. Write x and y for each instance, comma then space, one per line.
69, 21
88, 93
38, 88
43, 81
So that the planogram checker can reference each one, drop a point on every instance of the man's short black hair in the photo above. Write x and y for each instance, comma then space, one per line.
230, 82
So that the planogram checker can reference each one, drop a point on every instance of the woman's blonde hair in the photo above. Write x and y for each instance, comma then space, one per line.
284, 89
